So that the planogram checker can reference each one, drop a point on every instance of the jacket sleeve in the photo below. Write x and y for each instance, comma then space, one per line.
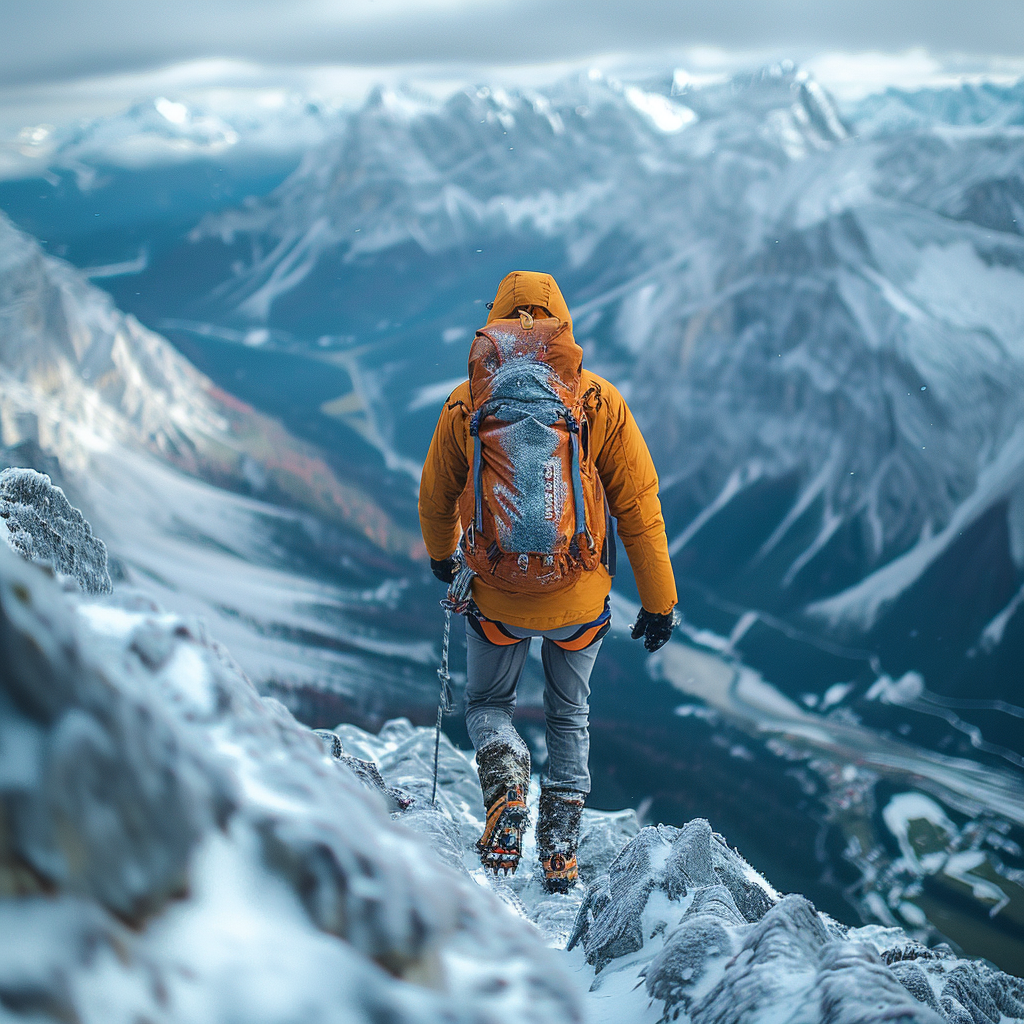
631, 483
442, 481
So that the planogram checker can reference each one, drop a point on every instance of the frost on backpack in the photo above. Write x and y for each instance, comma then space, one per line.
534, 501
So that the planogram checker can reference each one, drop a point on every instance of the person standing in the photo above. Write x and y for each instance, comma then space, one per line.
533, 463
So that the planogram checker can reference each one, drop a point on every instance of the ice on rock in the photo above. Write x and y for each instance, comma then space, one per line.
673, 861
715, 901
777, 958
45, 527
752, 895
962, 987
914, 980
688, 957
690, 861
853, 986
699, 945
787, 961
616, 903
410, 764
366, 771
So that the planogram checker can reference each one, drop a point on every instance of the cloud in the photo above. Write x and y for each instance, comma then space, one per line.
50, 40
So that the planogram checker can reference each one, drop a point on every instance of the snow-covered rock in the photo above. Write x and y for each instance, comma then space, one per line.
176, 848
674, 917
42, 525
707, 937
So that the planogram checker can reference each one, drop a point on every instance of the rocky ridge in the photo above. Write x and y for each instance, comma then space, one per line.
174, 847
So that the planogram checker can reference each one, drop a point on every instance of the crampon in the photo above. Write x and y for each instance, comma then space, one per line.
558, 837
501, 845
560, 872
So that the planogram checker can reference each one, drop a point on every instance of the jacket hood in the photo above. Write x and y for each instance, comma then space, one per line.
528, 288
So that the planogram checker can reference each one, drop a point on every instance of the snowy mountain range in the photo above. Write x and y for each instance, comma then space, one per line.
816, 314
208, 503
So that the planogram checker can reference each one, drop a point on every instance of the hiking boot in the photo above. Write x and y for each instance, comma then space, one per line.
504, 769
558, 836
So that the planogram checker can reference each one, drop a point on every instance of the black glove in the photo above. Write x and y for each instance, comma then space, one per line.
444, 570
654, 628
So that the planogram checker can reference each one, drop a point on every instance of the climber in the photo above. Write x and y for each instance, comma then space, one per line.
532, 459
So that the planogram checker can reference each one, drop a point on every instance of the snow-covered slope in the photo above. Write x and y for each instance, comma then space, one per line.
213, 505
177, 848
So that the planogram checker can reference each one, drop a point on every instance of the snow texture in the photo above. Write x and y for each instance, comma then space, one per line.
669, 860
717, 944
46, 528
175, 848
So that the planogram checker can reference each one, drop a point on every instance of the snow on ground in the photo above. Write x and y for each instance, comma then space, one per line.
180, 849
177, 848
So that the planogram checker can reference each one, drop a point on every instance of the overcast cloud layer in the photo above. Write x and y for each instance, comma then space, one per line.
49, 40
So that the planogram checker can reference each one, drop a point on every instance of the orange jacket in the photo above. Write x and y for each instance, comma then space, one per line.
623, 463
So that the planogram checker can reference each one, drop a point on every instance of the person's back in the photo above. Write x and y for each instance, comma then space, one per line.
531, 453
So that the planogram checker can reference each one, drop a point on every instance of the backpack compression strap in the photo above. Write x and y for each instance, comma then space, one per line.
478, 472
577, 479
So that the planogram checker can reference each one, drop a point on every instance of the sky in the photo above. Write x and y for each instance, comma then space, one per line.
51, 40
63, 61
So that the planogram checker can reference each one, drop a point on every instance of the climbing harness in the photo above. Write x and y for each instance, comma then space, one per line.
456, 601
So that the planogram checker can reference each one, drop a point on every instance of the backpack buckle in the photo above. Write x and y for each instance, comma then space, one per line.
524, 563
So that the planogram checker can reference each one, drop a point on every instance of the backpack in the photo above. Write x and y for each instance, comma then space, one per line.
534, 503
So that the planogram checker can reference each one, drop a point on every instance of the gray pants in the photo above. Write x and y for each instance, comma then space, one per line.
493, 673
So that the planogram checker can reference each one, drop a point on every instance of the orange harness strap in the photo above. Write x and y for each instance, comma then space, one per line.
584, 639
496, 633
493, 632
